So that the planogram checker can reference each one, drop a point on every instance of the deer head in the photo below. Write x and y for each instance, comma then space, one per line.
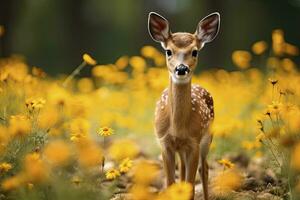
182, 48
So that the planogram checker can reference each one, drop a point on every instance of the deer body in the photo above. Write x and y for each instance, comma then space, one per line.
184, 129
185, 111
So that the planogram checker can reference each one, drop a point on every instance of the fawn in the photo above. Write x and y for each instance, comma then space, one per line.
185, 111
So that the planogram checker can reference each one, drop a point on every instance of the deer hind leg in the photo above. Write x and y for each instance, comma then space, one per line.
203, 171
192, 161
204, 177
182, 156
168, 155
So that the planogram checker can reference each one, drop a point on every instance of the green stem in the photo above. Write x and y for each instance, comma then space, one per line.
272, 92
74, 73
103, 161
272, 152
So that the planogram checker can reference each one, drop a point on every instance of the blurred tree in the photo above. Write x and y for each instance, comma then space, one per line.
6, 20
53, 34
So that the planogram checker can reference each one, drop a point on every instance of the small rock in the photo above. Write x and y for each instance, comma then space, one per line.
269, 177
241, 159
276, 190
122, 197
153, 190
159, 182
267, 196
108, 165
121, 185
248, 195
251, 183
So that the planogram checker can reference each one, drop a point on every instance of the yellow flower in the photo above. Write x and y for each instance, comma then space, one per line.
89, 154
273, 81
5, 167
160, 59
225, 182
292, 116
112, 174
88, 59
35, 168
13, 182
226, 163
273, 62
4, 137
125, 165
55, 132
295, 158
180, 191
148, 51
275, 107
57, 152
85, 85
260, 137
122, 149
259, 47
145, 172
30, 186
249, 145
241, 59
278, 42
38, 72
291, 49
137, 63
37, 103
101, 71
288, 65
141, 192
105, 131
19, 125
258, 154
79, 129
76, 180
122, 62
58, 95
48, 117
273, 133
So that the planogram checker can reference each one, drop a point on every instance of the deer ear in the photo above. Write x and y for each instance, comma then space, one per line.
208, 28
158, 27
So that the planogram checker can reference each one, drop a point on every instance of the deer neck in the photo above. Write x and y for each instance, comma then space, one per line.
180, 106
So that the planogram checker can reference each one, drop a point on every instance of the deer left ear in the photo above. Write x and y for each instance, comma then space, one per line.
208, 28
158, 27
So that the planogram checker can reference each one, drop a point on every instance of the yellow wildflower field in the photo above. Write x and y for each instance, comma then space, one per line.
92, 137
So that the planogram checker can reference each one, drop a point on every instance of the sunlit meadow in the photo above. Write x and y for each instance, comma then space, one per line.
74, 137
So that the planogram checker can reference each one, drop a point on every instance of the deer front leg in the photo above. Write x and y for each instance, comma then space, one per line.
168, 155
192, 160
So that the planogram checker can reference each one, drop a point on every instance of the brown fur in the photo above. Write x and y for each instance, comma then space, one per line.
183, 116
183, 40
185, 111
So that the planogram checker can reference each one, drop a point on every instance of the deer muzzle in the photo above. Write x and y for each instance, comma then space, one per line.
182, 70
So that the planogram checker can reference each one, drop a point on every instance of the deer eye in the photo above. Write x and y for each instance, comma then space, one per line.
169, 52
194, 53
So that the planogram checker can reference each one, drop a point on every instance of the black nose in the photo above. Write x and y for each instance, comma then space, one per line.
182, 69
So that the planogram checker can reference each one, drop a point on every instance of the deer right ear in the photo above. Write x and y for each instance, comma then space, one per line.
208, 28
158, 27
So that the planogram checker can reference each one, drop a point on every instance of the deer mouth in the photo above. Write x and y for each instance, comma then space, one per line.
182, 71
181, 74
